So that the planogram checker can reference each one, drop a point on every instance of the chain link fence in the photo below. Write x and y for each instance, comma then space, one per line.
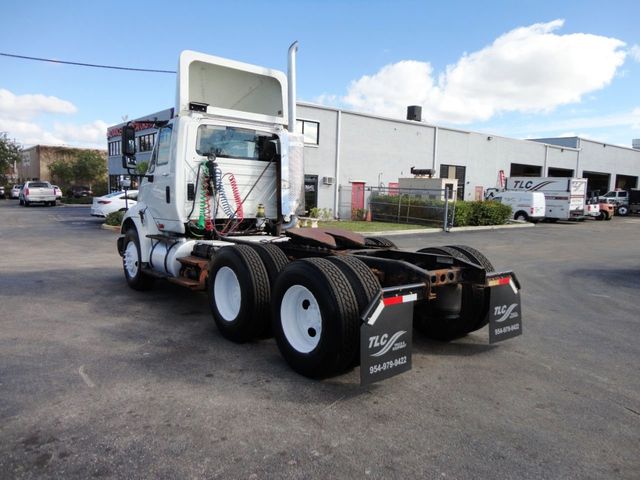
435, 208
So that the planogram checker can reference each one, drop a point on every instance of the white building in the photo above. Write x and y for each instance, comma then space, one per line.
344, 147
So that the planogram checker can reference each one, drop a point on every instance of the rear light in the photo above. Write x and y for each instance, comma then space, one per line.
26, 191
104, 202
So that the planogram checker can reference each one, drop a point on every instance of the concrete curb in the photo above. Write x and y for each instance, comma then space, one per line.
113, 228
414, 231
73, 205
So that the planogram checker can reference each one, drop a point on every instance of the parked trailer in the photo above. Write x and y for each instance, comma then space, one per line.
217, 212
565, 197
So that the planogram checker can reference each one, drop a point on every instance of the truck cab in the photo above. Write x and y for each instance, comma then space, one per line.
620, 197
224, 155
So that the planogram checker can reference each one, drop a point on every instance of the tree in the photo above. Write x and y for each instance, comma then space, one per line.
141, 168
62, 171
9, 153
89, 166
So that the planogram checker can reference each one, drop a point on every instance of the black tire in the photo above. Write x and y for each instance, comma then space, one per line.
136, 278
319, 287
475, 256
239, 293
521, 216
364, 283
601, 215
623, 210
453, 252
273, 258
379, 242
274, 261
459, 309
26, 203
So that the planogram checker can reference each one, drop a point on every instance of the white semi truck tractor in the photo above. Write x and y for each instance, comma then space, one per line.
217, 212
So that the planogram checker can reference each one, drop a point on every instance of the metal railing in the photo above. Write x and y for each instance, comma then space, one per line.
434, 208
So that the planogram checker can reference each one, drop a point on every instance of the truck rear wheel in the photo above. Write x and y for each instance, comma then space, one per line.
274, 261
132, 262
273, 258
475, 256
521, 216
364, 283
458, 309
239, 293
315, 318
379, 242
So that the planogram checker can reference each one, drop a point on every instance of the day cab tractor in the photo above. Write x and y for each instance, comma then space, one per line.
217, 211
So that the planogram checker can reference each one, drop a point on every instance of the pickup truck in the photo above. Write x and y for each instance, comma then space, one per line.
38, 192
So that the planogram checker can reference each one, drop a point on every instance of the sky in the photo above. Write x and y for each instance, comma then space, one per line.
525, 69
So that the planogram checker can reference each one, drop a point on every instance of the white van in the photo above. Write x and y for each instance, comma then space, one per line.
565, 197
526, 206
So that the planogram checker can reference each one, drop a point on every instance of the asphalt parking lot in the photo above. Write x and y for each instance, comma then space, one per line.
97, 380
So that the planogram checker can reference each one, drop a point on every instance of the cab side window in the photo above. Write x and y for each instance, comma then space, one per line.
164, 145
154, 159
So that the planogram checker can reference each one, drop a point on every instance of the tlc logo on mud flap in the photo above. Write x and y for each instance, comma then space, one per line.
505, 312
386, 343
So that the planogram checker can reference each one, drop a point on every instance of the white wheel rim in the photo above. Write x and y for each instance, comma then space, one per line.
227, 294
131, 259
301, 319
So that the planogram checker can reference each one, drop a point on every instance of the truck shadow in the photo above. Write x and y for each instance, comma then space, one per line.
473, 344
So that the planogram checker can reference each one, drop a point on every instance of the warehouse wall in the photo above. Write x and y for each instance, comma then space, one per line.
605, 158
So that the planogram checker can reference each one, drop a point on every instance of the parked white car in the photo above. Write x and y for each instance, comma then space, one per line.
58, 192
37, 192
113, 202
15, 191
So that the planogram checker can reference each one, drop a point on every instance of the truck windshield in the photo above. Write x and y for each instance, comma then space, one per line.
232, 142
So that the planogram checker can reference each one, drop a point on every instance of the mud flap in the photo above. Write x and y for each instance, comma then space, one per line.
505, 311
386, 334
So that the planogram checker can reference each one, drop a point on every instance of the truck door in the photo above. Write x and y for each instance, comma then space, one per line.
162, 205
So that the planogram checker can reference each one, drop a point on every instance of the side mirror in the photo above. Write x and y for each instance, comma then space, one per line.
128, 147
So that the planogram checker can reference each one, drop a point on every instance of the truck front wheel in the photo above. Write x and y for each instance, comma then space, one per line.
315, 318
239, 293
132, 262
623, 210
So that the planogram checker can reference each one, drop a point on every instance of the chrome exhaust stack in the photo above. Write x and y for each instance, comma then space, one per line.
292, 161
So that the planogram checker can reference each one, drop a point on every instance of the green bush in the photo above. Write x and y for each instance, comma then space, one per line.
480, 213
114, 219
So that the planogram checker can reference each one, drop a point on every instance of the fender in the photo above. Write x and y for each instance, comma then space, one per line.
148, 227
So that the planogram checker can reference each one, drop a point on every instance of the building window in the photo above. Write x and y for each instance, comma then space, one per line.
114, 148
310, 130
146, 142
